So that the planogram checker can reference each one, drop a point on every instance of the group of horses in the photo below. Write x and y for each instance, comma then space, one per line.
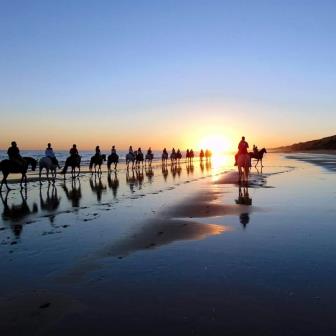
136, 158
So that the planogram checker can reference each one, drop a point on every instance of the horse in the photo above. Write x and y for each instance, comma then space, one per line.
139, 158
178, 156
97, 161
243, 163
113, 158
47, 163
72, 161
164, 157
258, 156
130, 157
10, 166
173, 157
149, 157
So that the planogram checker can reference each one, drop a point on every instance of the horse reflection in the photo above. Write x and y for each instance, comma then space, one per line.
190, 168
208, 166
244, 199
150, 174
75, 194
164, 172
113, 183
16, 213
51, 202
139, 177
130, 180
202, 166
97, 187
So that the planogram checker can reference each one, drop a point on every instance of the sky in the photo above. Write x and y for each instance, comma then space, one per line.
166, 73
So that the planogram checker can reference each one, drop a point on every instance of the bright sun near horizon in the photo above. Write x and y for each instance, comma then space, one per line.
217, 143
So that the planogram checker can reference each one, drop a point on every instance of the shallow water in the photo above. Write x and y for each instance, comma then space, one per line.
183, 251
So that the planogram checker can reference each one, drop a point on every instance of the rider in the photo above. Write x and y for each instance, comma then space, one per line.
242, 148
50, 154
14, 154
113, 150
97, 155
74, 151
255, 149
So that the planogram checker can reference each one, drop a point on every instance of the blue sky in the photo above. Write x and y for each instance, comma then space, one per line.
262, 68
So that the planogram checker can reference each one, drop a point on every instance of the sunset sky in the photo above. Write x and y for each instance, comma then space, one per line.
166, 73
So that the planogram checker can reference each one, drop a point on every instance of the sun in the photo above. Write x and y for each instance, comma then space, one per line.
218, 144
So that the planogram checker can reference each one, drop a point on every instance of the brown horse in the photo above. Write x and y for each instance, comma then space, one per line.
73, 162
10, 167
258, 156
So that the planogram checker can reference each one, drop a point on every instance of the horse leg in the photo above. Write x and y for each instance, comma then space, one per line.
40, 173
261, 163
78, 171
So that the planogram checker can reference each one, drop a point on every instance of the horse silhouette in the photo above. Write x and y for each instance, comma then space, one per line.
72, 161
9, 167
113, 158
97, 161
258, 156
47, 164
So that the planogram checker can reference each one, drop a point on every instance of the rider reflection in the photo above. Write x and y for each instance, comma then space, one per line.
244, 199
113, 183
75, 194
97, 187
51, 202
15, 213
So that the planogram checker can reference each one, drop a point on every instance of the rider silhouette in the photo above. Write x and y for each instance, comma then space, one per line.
73, 151
97, 155
242, 148
14, 154
50, 154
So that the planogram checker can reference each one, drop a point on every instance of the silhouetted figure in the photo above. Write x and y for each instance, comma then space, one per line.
191, 154
14, 154
12, 166
113, 183
173, 156
258, 155
149, 156
97, 160
112, 159
164, 156
130, 157
72, 161
15, 213
201, 155
242, 149
208, 154
139, 158
178, 155
49, 153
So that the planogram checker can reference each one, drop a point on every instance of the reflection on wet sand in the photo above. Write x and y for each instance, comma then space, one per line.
158, 232
165, 172
75, 193
15, 213
97, 187
51, 203
244, 199
113, 183
190, 168
149, 173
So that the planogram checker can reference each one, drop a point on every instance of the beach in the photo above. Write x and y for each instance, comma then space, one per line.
183, 250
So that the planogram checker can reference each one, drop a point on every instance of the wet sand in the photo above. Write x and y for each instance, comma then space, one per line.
183, 250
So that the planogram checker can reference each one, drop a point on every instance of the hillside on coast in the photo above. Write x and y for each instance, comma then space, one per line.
328, 143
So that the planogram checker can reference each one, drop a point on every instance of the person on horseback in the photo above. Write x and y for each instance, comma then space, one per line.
97, 155
255, 150
242, 148
74, 151
14, 154
49, 152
